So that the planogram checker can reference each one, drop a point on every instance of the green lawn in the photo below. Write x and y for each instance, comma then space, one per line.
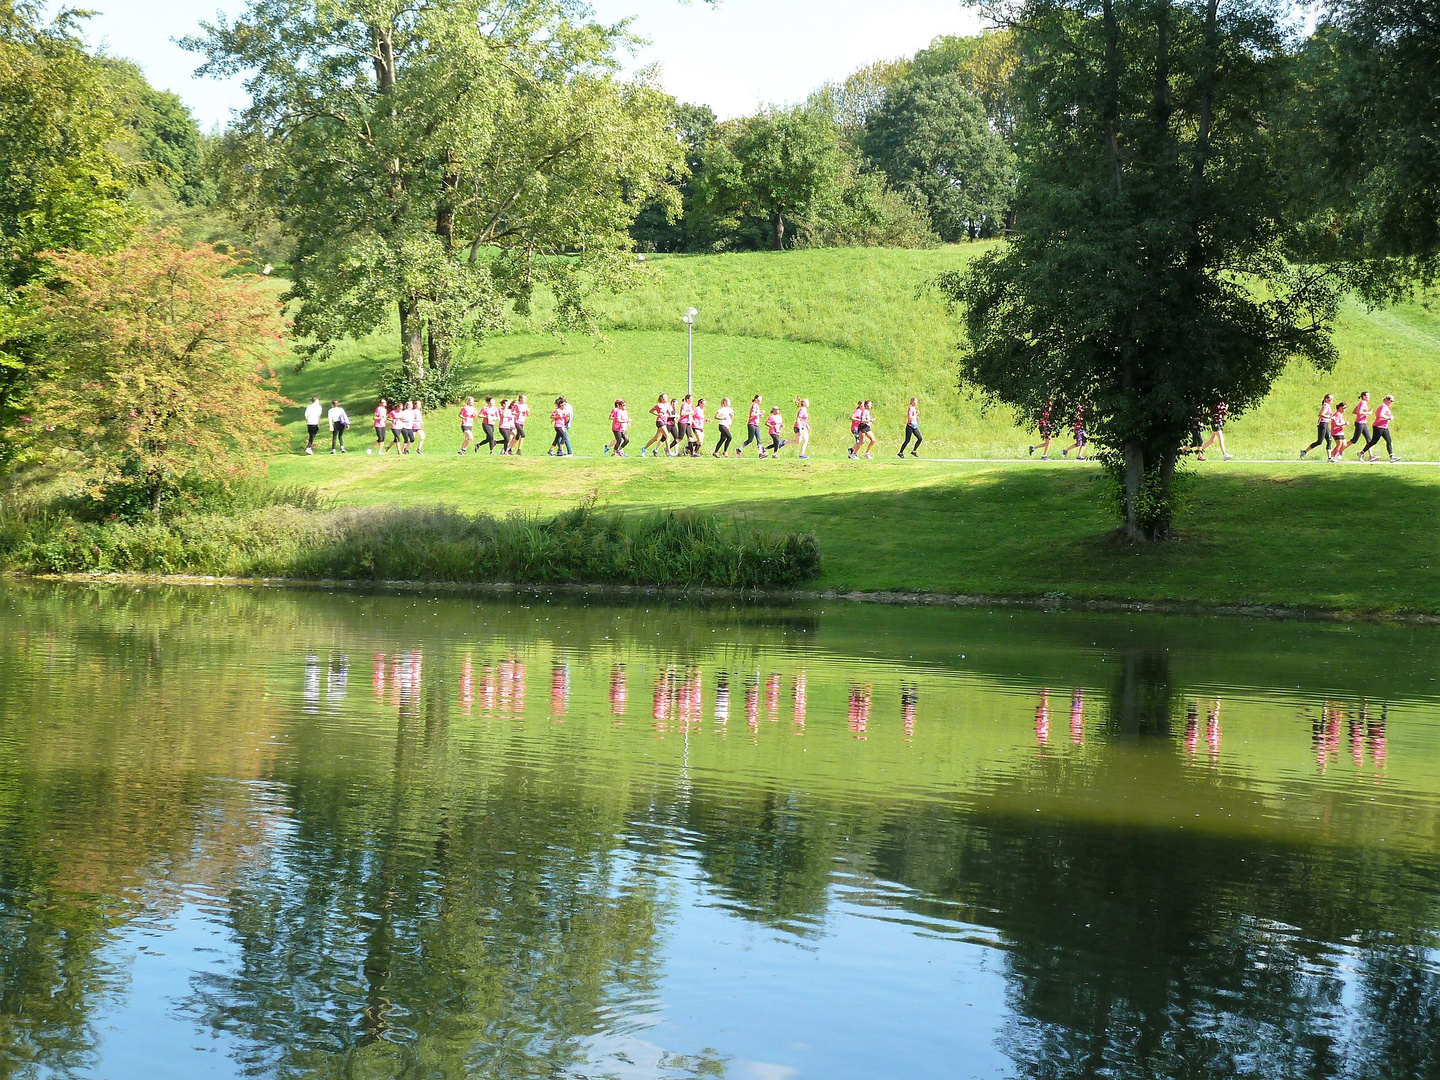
840, 324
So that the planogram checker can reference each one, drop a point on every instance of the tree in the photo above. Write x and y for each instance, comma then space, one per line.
986, 65
657, 227
1148, 280
156, 366
438, 159
931, 137
1365, 158
853, 101
777, 167
62, 182
163, 130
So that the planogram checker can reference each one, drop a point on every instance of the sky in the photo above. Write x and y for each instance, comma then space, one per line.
732, 56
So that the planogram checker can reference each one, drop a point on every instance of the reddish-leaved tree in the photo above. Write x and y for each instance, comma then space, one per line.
157, 366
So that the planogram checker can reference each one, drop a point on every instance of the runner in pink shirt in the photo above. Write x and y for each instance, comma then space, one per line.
1337, 432
619, 428
661, 411
382, 414
507, 425
1383, 417
686, 415
522, 417
1361, 436
697, 427
802, 427
855, 428
774, 424
395, 420
489, 418
468, 413
912, 429
867, 434
752, 426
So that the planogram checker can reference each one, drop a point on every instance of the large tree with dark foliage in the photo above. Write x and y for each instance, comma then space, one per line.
1365, 137
1148, 280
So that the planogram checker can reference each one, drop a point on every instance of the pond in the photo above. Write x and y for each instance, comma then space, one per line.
277, 833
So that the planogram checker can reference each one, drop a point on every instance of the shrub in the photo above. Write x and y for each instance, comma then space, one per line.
294, 536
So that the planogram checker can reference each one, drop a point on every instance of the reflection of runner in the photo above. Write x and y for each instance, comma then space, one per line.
619, 696
800, 700
860, 710
1077, 717
1192, 728
1212, 731
909, 698
1042, 718
722, 699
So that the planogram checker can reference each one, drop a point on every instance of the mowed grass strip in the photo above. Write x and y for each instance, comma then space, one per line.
1275, 535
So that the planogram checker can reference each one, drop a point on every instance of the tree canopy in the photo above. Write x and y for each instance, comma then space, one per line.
931, 137
439, 159
1147, 282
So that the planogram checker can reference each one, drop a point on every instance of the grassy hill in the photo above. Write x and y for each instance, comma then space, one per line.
840, 324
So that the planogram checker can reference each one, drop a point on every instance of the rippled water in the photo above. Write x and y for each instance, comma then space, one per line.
275, 833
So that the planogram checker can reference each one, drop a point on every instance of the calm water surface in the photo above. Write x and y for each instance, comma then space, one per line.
298, 834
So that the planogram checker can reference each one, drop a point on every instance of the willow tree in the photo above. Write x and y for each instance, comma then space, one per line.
439, 159
1147, 279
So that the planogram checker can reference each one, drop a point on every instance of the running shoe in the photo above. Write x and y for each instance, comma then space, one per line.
1227, 457
804, 457
914, 453
343, 450
901, 454
784, 442
1393, 458
1032, 451
869, 458
1065, 452
1044, 457
332, 451
605, 451
1199, 457
1303, 453
852, 455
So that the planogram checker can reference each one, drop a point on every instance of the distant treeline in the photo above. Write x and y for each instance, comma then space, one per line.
903, 153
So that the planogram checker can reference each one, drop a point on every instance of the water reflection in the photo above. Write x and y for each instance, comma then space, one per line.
436, 879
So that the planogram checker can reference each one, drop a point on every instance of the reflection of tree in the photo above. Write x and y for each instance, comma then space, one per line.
1137, 953
425, 922
1142, 696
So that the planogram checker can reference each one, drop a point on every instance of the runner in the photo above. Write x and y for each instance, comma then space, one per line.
489, 417
1383, 416
724, 417
619, 428
522, 417
339, 422
697, 427
867, 433
1081, 436
661, 411
774, 424
1337, 432
687, 415
802, 427
397, 424
407, 436
855, 436
1217, 432
382, 413
468, 413
1322, 426
752, 427
312, 423
1046, 432
417, 427
507, 426
912, 428
560, 416
672, 427
1362, 425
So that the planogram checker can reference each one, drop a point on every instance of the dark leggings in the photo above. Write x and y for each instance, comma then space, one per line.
722, 441
1322, 434
1378, 434
774, 442
562, 438
752, 434
1361, 435
621, 441
911, 430
488, 440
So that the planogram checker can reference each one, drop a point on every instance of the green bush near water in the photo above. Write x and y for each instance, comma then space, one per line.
432, 544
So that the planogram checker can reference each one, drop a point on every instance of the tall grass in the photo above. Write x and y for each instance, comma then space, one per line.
436, 544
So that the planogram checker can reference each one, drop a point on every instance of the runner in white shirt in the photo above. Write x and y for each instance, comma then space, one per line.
312, 423
339, 422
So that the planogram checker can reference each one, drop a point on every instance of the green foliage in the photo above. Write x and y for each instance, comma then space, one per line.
1148, 280
163, 130
433, 390
439, 160
1364, 166
932, 139
415, 544
660, 225
986, 65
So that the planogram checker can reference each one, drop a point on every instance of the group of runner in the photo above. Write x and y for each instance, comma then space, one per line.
1371, 426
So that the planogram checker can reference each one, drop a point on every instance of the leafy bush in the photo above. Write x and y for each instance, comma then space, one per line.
434, 390
301, 540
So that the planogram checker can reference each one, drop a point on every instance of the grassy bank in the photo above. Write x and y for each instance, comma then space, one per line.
1348, 538
416, 543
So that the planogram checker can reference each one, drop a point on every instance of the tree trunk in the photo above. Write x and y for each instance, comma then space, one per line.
777, 232
157, 488
412, 337
1134, 486
440, 352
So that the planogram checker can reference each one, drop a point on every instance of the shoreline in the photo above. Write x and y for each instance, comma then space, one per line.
894, 597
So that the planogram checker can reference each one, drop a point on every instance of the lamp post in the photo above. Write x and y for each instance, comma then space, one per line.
689, 320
